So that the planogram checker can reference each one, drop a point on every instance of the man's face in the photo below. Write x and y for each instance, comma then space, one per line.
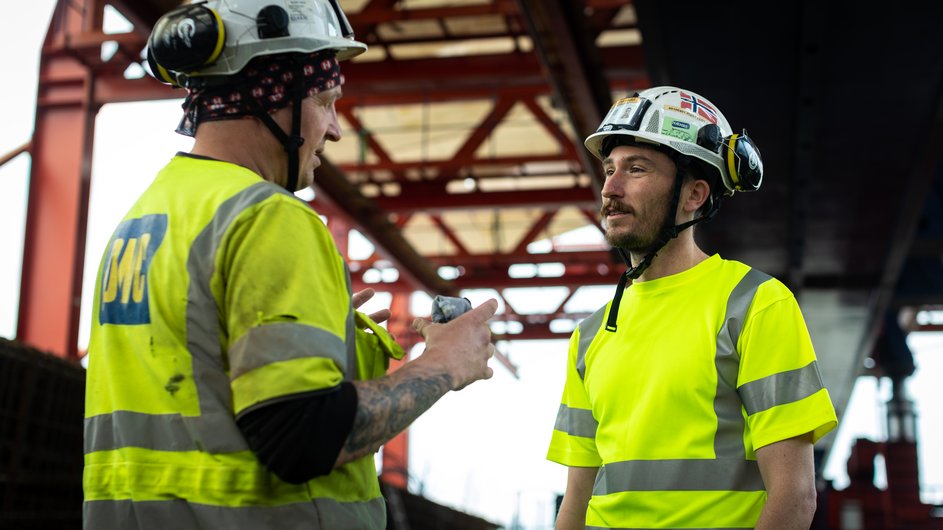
635, 196
318, 125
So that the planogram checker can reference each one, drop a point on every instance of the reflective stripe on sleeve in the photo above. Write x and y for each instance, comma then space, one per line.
679, 475
781, 388
284, 341
318, 514
576, 422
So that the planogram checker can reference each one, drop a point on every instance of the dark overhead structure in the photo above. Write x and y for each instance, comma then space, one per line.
463, 156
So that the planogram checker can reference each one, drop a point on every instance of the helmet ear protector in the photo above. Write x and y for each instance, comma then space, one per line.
184, 40
743, 167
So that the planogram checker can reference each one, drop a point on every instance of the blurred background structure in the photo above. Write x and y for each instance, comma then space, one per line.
462, 171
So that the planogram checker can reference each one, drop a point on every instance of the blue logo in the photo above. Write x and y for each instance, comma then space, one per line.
124, 275
680, 124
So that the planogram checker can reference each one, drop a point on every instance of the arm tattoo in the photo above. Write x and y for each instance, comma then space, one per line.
387, 406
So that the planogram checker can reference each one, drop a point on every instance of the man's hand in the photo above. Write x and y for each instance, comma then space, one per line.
456, 355
361, 297
460, 348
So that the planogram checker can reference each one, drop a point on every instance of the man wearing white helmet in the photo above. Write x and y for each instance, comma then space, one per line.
231, 383
692, 400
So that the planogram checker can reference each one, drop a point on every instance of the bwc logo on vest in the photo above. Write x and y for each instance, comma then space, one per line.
123, 296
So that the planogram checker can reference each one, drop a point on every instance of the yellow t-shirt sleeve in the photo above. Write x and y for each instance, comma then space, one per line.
286, 303
779, 380
573, 441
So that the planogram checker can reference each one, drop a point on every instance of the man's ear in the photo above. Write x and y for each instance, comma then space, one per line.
694, 195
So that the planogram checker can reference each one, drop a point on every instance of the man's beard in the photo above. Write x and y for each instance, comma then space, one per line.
640, 239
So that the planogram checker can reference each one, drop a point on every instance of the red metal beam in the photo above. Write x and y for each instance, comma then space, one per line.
484, 73
562, 38
454, 163
547, 199
484, 129
539, 225
377, 225
54, 250
447, 231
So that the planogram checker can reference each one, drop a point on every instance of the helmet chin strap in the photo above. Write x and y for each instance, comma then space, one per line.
669, 231
291, 143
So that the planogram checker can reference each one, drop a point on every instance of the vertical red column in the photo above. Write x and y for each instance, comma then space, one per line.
396, 451
54, 250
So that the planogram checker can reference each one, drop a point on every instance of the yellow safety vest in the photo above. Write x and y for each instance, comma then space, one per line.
218, 292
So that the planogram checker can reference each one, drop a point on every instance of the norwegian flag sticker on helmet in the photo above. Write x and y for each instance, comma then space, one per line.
691, 103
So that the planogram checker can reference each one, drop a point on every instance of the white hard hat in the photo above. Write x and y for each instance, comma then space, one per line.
219, 37
690, 125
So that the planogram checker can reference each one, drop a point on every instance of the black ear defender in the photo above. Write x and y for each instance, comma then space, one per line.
710, 138
183, 41
272, 22
742, 160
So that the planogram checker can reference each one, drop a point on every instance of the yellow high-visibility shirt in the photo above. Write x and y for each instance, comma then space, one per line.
705, 367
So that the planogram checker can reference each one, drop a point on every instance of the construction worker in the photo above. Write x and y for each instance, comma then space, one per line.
693, 398
231, 384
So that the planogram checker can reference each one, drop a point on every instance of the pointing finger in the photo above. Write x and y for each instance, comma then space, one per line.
483, 312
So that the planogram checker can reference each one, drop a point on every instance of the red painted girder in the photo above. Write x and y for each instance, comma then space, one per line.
372, 16
449, 234
517, 258
547, 199
60, 173
484, 129
574, 277
552, 127
396, 451
454, 163
481, 72
539, 225
415, 81
376, 225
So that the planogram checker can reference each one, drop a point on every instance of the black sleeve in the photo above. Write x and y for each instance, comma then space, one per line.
299, 439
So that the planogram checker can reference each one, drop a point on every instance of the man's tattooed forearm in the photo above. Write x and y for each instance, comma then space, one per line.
387, 407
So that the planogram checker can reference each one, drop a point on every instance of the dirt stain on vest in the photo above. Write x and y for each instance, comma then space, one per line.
173, 384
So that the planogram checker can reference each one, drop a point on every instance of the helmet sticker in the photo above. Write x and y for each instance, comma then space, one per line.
681, 130
687, 113
299, 10
693, 104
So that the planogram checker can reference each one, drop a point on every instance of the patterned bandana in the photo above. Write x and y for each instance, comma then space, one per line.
267, 80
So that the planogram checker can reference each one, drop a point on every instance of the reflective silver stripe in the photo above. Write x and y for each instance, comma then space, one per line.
728, 442
589, 327
725, 474
160, 432
576, 422
781, 388
624, 528
318, 514
284, 341
209, 372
